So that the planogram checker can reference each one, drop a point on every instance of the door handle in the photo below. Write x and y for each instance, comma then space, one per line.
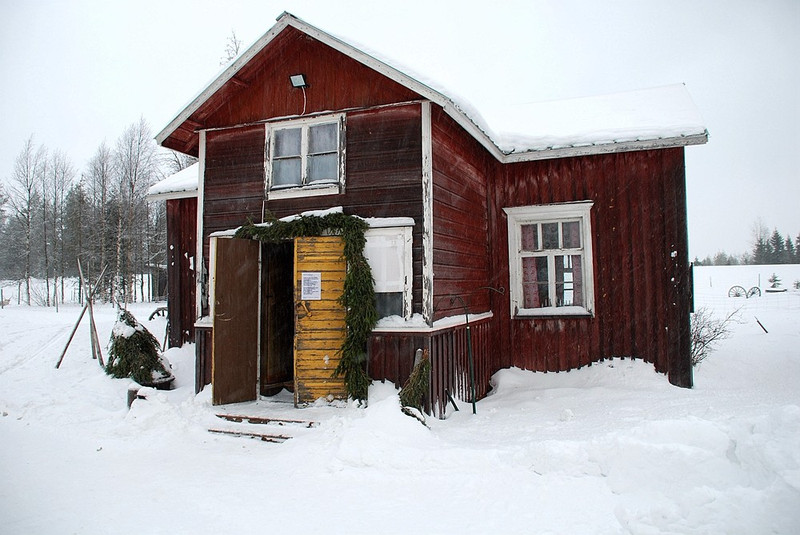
300, 313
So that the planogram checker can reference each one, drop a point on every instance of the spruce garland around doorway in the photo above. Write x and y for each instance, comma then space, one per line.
358, 297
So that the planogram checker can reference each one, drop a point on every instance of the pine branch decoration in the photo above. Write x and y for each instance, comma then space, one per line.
416, 386
358, 297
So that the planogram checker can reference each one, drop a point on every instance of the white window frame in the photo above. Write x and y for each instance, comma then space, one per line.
405, 235
304, 190
550, 213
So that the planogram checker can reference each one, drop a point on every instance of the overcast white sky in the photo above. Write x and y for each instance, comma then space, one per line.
75, 73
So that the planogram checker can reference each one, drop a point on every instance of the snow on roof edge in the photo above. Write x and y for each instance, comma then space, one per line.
182, 184
548, 139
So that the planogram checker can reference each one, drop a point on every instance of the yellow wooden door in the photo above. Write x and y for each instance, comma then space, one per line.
319, 271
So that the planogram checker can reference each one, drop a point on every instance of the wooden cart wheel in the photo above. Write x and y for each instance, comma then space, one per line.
755, 291
737, 291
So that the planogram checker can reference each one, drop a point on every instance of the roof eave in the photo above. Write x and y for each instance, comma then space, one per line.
223, 78
606, 148
287, 19
170, 195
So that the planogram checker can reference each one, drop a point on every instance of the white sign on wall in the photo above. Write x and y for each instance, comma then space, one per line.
311, 286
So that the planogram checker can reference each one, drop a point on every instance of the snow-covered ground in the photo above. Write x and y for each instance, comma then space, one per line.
612, 448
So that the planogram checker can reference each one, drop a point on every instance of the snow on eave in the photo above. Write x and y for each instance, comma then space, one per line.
180, 185
655, 118
638, 120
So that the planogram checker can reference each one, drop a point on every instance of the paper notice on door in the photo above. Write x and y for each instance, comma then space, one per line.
311, 286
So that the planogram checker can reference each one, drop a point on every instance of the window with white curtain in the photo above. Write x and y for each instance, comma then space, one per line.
550, 259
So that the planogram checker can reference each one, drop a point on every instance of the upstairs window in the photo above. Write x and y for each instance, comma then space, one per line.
550, 259
304, 157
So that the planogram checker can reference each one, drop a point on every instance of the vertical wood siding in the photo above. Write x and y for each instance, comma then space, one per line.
181, 250
391, 358
640, 261
261, 89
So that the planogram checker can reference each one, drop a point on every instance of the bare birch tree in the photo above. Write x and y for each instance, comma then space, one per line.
24, 198
232, 49
136, 169
61, 174
174, 161
99, 177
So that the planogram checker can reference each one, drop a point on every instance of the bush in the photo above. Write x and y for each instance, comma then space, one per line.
135, 353
706, 332
413, 392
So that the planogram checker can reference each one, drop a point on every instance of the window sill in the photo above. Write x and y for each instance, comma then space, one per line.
554, 313
307, 191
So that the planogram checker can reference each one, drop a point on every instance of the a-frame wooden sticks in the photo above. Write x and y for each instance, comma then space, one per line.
90, 295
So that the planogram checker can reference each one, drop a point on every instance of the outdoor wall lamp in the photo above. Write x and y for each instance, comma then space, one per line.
298, 80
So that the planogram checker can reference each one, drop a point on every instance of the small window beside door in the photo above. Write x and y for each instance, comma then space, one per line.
388, 251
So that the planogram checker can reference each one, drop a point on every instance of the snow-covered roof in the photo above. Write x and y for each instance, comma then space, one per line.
590, 125
180, 185
652, 118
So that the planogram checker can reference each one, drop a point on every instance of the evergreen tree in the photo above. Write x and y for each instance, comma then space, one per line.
790, 255
777, 250
797, 249
761, 248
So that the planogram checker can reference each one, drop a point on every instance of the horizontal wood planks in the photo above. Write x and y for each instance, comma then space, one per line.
233, 188
461, 173
383, 175
319, 324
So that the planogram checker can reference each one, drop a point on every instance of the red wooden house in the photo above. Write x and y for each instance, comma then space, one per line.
556, 247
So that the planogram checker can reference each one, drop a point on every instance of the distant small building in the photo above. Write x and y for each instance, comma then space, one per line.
180, 193
565, 242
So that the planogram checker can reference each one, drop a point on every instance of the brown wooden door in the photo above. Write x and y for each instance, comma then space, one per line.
235, 333
319, 271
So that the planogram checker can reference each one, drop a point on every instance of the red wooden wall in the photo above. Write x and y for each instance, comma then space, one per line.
261, 89
461, 173
391, 357
181, 251
642, 292
383, 176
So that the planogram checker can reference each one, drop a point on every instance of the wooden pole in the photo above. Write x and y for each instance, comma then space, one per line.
96, 352
83, 311
88, 303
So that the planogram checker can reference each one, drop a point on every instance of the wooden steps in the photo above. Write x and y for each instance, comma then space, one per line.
266, 421
239, 431
261, 436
